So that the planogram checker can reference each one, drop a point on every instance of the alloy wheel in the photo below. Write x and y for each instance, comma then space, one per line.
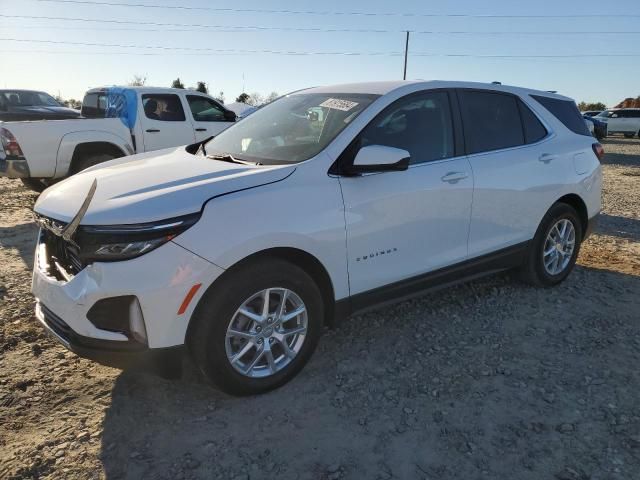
559, 247
266, 332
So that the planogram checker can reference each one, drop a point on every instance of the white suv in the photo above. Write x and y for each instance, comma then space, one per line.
622, 120
321, 204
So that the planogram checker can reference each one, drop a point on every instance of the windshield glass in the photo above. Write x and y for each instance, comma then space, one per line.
291, 129
26, 98
606, 113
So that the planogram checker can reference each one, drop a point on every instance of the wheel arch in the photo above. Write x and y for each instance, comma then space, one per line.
83, 150
302, 259
77, 143
578, 204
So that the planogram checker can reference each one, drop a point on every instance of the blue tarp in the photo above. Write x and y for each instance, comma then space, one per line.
122, 103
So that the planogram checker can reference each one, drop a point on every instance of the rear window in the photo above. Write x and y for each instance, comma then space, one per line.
566, 111
94, 105
491, 121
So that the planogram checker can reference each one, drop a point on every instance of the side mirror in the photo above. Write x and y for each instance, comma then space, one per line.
379, 158
230, 116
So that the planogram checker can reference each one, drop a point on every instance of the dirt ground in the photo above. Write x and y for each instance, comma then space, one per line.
492, 379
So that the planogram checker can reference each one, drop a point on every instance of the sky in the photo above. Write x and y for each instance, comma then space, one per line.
209, 41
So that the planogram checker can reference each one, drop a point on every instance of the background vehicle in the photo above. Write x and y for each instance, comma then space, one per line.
22, 105
116, 122
622, 120
322, 203
591, 113
597, 127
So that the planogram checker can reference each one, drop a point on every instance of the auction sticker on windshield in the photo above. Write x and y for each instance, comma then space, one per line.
337, 104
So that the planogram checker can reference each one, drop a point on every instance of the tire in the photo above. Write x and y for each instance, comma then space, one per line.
90, 161
629, 135
34, 184
213, 347
534, 271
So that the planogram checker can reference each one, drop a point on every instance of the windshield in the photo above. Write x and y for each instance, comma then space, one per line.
24, 98
606, 113
292, 129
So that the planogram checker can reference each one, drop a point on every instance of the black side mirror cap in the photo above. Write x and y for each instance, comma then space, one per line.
399, 166
230, 116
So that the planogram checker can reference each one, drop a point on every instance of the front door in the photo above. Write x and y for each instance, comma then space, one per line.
164, 123
208, 117
403, 224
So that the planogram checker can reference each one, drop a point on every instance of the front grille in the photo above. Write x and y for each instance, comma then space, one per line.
61, 258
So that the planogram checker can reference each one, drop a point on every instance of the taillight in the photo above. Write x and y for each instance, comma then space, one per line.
10, 145
598, 150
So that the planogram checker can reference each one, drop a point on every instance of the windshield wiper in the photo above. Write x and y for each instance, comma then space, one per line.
227, 157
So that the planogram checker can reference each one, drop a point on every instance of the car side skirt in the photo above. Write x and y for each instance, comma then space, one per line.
467, 270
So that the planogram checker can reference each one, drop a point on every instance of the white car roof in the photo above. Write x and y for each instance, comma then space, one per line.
149, 89
383, 88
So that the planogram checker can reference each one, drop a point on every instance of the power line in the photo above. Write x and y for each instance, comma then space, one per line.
327, 12
300, 53
251, 28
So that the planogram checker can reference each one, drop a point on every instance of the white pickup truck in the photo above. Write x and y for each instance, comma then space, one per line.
116, 121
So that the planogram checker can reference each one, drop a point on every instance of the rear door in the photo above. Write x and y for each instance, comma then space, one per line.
164, 123
208, 116
512, 166
403, 224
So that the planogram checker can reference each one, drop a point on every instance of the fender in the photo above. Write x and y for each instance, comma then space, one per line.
70, 141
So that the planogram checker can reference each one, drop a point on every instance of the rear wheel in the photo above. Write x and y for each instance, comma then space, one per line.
258, 328
90, 160
555, 247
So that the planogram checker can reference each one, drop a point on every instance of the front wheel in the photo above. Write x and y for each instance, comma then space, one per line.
256, 329
555, 247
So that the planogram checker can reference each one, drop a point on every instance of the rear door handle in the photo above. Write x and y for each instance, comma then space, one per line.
454, 177
201, 129
546, 157
153, 130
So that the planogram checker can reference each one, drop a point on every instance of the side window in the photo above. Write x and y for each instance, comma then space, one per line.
634, 113
421, 125
204, 109
491, 121
566, 111
534, 131
94, 105
163, 107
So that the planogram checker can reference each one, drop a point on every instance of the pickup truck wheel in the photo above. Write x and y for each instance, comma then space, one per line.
34, 184
258, 328
90, 161
555, 247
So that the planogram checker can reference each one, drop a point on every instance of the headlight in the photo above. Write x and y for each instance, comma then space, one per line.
107, 243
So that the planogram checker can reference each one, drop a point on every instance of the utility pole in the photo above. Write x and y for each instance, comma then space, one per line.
406, 53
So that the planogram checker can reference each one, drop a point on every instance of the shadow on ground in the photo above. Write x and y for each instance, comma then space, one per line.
21, 237
487, 380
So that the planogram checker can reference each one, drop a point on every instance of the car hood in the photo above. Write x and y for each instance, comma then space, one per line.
151, 186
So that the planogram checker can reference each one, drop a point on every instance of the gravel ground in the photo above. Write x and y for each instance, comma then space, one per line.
491, 379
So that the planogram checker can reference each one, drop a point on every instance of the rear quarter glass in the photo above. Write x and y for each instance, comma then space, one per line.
566, 111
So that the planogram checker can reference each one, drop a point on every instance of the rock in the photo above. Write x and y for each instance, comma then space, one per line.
565, 428
83, 436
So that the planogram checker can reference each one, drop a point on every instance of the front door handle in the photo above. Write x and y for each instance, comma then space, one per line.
546, 158
453, 177
152, 130
201, 129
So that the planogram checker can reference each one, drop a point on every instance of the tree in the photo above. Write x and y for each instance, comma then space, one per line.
220, 96
243, 98
584, 106
271, 97
255, 99
177, 83
202, 87
138, 81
